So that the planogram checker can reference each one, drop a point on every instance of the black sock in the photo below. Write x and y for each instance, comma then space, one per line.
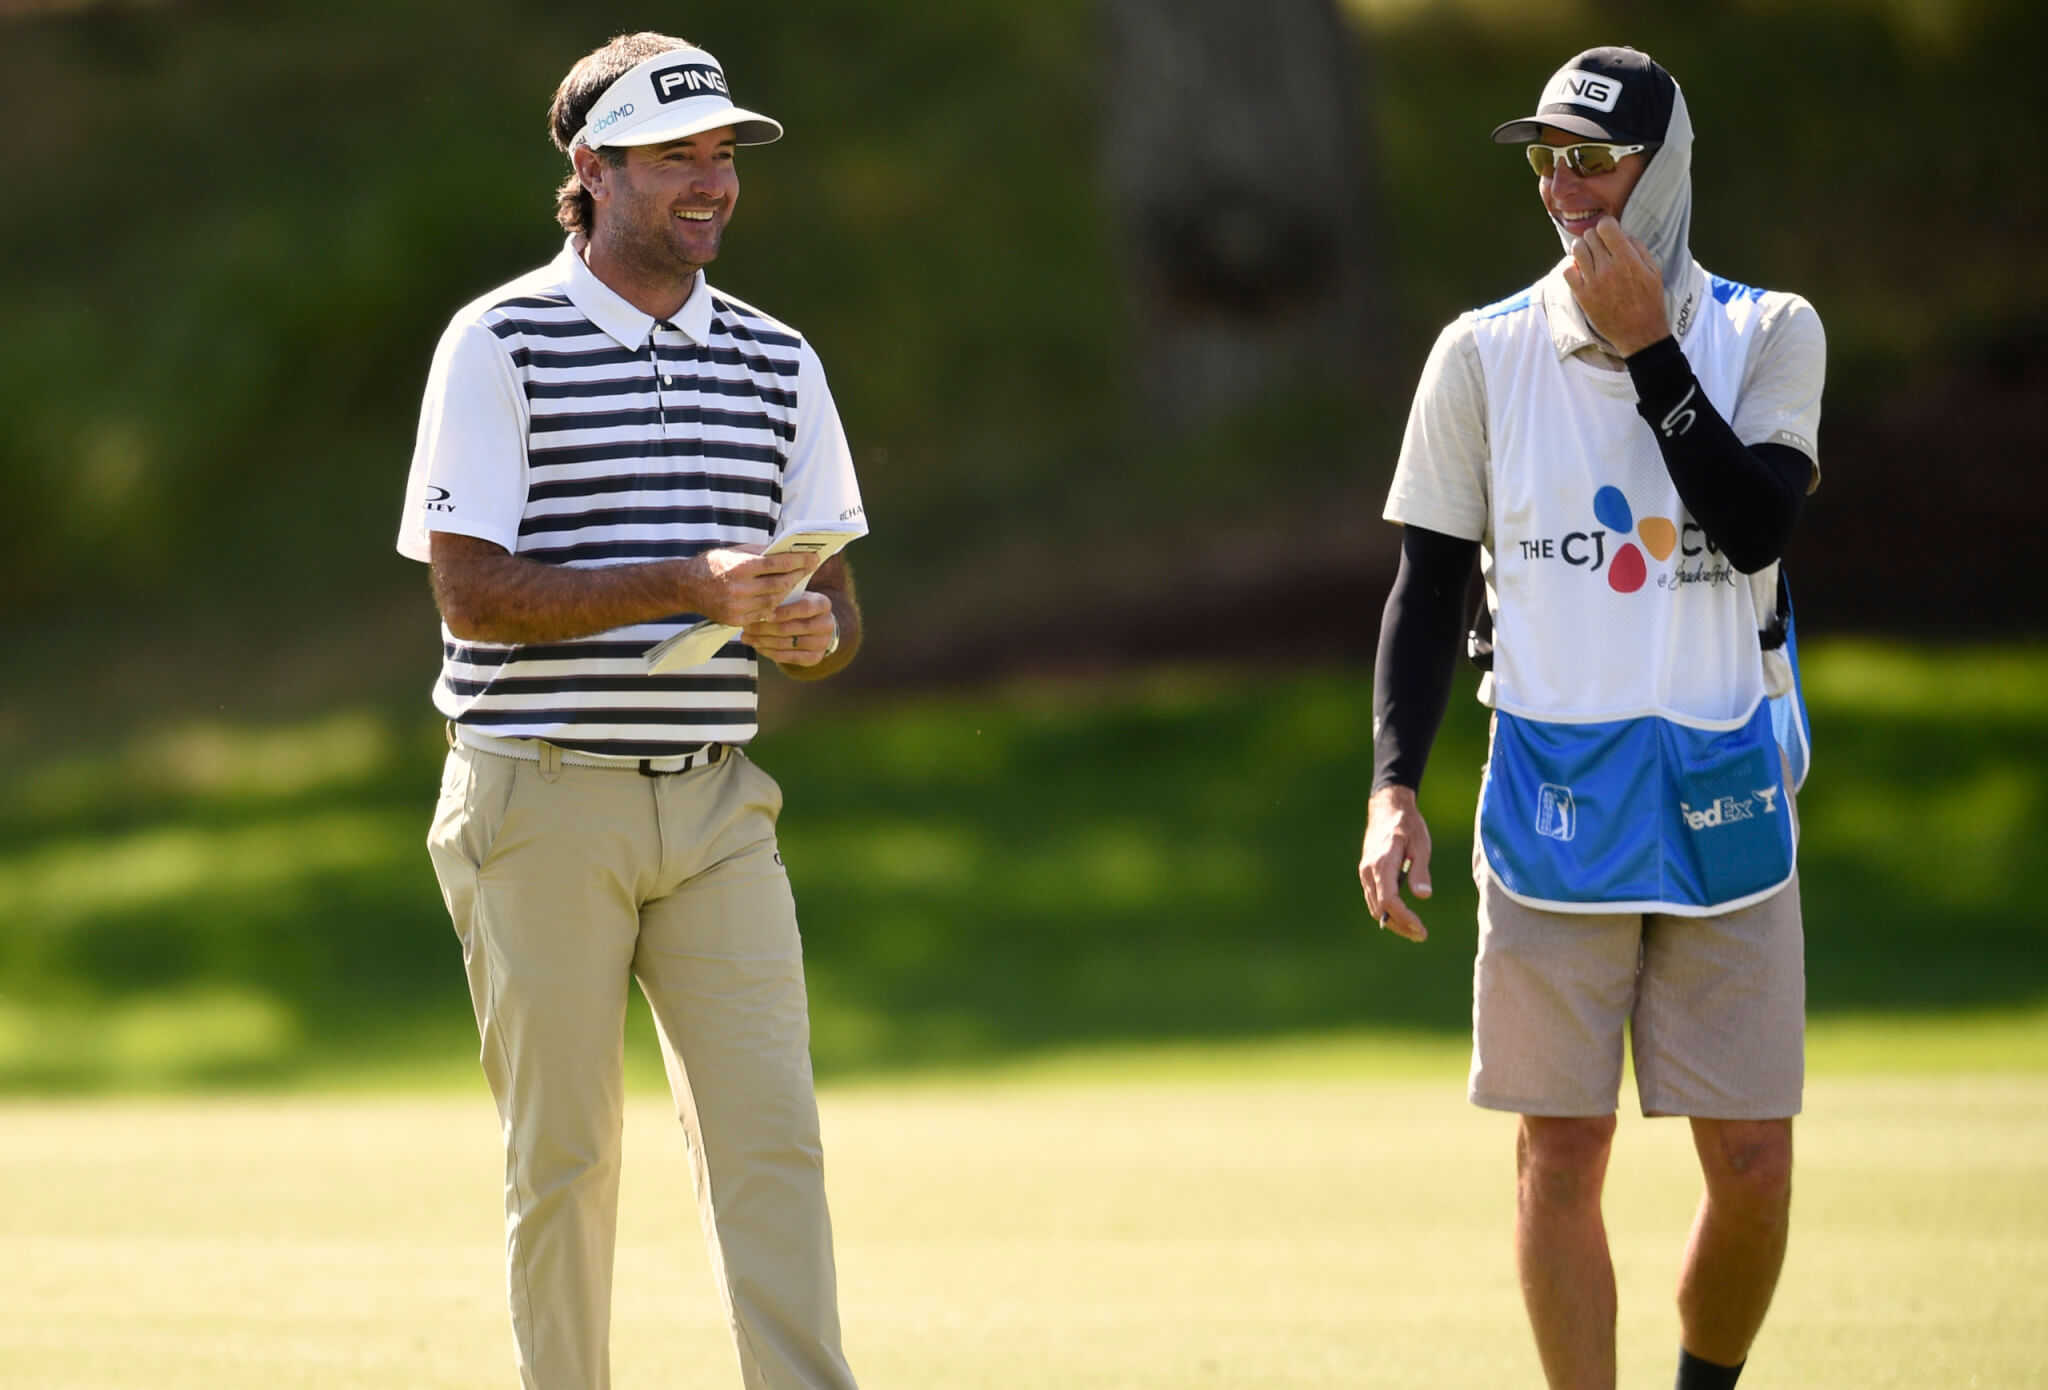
1695, 1374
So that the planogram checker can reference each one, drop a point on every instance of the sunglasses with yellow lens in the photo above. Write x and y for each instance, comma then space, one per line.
1587, 161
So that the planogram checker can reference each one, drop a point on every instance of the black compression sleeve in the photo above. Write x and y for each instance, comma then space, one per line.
1745, 498
1419, 632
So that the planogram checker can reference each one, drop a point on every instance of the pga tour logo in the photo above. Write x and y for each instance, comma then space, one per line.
1577, 88
1726, 810
689, 80
1557, 817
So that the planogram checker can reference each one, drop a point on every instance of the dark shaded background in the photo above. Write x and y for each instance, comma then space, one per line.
239, 227
1125, 374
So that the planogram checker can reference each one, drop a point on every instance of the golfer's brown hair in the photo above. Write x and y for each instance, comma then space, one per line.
579, 92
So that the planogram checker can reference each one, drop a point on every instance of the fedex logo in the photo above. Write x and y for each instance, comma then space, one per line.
1583, 89
688, 80
1727, 810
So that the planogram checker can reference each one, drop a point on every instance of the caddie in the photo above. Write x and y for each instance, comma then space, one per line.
1625, 447
606, 447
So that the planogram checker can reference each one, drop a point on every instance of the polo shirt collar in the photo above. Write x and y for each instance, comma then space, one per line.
1569, 331
603, 305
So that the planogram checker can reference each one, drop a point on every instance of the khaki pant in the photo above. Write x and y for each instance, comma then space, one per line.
564, 884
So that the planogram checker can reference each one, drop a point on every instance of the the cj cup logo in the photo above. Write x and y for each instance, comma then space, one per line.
688, 80
1727, 810
1658, 534
1623, 563
1580, 88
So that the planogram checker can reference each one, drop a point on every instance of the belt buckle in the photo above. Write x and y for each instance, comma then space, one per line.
709, 754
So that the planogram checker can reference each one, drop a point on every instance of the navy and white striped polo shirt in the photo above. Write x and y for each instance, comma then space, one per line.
567, 426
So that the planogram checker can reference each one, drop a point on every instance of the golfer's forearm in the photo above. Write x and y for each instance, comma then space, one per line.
1418, 651
486, 595
1746, 498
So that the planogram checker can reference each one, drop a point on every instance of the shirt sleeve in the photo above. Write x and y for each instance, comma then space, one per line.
1440, 482
1781, 388
1418, 653
469, 467
818, 484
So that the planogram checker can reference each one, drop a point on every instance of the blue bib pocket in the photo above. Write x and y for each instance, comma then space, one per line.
1636, 814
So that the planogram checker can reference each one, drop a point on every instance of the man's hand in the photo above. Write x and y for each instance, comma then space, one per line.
739, 588
1396, 842
797, 634
815, 634
1619, 286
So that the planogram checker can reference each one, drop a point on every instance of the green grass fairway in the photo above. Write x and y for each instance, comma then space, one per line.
1114, 1232
987, 879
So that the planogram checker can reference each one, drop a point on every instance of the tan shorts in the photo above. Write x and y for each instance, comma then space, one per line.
1714, 1007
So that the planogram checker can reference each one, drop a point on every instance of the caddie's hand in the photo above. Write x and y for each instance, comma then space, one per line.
734, 586
1396, 843
799, 633
1619, 286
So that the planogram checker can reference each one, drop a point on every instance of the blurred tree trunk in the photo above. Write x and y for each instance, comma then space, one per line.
1234, 150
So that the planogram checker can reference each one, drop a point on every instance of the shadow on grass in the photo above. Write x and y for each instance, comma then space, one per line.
980, 877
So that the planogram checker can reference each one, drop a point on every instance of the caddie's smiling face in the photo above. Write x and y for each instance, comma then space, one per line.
664, 210
1577, 203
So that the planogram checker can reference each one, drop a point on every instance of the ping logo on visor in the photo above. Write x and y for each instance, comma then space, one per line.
688, 80
672, 96
1576, 87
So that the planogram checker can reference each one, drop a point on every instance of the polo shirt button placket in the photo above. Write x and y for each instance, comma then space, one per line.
662, 380
661, 368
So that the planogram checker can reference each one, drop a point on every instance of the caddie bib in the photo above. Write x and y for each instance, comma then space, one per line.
1634, 764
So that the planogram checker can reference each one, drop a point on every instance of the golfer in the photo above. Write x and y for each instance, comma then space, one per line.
607, 445
1625, 446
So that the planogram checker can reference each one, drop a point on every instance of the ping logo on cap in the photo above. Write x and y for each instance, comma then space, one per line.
1576, 87
688, 80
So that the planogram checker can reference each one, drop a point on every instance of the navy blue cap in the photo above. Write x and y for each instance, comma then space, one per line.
1615, 94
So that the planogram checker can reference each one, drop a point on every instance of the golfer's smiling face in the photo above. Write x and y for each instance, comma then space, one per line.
668, 204
1576, 202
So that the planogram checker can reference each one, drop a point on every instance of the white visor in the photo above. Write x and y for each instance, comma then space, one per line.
670, 96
